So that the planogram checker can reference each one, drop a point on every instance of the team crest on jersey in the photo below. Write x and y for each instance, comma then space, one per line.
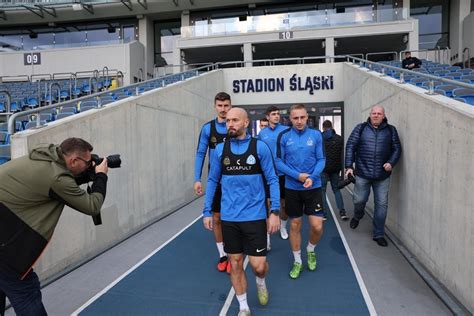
309, 142
251, 160
226, 161
213, 139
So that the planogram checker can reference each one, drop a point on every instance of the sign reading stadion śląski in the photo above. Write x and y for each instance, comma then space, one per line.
294, 83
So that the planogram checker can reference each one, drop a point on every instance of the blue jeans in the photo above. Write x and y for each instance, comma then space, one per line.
334, 179
361, 195
24, 295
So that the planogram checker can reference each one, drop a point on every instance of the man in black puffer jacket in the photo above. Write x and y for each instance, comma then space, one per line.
375, 148
333, 146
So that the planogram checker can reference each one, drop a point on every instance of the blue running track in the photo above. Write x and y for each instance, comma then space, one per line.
181, 279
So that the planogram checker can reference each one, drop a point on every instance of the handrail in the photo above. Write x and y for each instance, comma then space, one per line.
420, 74
41, 76
381, 53
51, 85
56, 74
104, 73
11, 121
39, 89
120, 75
19, 76
90, 84
468, 57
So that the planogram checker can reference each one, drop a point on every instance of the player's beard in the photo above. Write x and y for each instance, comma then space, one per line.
234, 133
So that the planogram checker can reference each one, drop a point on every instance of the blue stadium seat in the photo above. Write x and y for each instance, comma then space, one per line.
447, 88
418, 81
32, 101
470, 77
466, 94
63, 115
5, 154
87, 108
106, 100
88, 104
32, 124
64, 94
460, 100
72, 107
3, 107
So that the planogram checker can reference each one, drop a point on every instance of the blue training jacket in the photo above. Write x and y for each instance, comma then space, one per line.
270, 136
243, 196
300, 152
203, 145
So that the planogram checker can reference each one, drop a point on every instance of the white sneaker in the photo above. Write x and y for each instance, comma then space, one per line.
283, 233
244, 312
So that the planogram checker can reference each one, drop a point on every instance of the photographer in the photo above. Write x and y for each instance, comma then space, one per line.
33, 192
375, 148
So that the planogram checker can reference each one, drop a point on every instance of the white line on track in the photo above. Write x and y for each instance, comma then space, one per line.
231, 294
80, 309
363, 288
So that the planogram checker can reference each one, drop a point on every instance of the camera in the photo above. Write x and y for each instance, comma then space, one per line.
113, 161
345, 182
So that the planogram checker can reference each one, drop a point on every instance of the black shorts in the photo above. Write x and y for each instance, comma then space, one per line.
216, 203
281, 181
309, 202
245, 237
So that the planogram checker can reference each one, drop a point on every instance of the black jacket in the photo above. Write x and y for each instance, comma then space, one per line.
333, 146
409, 61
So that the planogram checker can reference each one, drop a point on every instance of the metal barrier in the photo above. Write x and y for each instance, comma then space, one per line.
16, 78
411, 72
11, 120
210, 67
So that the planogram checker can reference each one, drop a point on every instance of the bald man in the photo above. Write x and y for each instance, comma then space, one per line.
241, 165
375, 148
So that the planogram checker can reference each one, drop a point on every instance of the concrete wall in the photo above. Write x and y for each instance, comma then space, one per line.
156, 134
431, 200
468, 34
457, 12
127, 58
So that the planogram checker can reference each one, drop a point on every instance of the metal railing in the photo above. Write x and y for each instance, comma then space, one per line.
266, 62
135, 86
441, 55
431, 78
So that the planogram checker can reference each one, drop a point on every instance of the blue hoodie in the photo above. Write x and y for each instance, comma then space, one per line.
300, 152
243, 196
270, 136
203, 145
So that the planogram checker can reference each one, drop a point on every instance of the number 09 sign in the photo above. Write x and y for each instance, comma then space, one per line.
32, 59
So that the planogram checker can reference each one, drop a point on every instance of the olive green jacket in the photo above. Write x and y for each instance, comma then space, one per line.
33, 192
